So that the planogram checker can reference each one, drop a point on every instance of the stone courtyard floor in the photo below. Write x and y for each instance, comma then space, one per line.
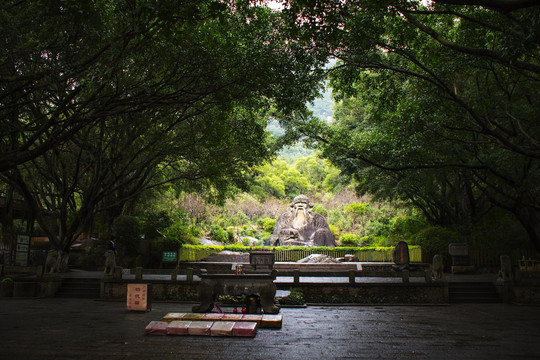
87, 329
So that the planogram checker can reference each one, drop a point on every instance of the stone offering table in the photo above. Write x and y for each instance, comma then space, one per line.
460, 258
261, 285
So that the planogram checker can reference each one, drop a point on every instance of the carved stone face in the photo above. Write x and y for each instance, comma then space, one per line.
301, 209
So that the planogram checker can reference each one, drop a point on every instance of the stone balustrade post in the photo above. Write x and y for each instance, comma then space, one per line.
189, 275
138, 273
117, 273
427, 275
405, 276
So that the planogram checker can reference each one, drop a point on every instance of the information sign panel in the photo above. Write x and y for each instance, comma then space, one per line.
169, 256
138, 297
22, 250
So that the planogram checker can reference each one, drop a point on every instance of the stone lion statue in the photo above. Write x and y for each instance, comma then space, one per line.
437, 267
51, 263
110, 262
505, 273
302, 227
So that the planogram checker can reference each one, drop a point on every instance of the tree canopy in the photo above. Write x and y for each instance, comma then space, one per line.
438, 102
103, 100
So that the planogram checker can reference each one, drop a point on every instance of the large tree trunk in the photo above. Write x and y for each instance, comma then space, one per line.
63, 261
529, 217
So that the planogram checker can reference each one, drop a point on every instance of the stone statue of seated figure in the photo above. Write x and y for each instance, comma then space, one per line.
301, 227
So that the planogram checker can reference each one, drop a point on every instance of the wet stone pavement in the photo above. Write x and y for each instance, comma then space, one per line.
87, 329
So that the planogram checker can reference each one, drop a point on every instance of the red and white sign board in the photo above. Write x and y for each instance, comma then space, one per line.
138, 297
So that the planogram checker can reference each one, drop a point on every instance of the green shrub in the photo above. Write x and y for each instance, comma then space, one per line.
127, 233
356, 212
259, 243
164, 244
370, 240
247, 231
198, 252
407, 226
240, 218
336, 217
296, 297
219, 234
434, 240
318, 208
349, 240
181, 233
385, 241
230, 235
379, 227
499, 230
153, 224
268, 224
194, 230
335, 230
231, 299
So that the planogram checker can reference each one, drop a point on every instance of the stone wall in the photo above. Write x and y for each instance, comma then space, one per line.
436, 293
525, 292
382, 293
160, 290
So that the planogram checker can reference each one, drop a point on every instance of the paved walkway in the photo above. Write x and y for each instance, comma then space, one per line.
87, 329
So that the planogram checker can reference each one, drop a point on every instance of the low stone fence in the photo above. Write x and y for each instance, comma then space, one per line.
182, 284
405, 275
17, 270
375, 293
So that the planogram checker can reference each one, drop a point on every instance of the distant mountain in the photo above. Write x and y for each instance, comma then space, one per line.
323, 108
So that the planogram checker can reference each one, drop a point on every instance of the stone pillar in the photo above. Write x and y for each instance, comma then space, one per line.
39, 271
138, 273
506, 268
296, 275
405, 276
352, 277
117, 273
189, 275
427, 276
437, 268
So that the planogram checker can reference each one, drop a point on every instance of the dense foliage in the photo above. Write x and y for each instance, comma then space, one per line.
438, 103
102, 101
127, 117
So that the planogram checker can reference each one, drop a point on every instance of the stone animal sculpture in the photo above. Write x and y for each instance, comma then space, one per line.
437, 267
110, 262
302, 227
51, 263
506, 268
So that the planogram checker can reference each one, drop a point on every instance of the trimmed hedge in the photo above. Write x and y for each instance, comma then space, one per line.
295, 253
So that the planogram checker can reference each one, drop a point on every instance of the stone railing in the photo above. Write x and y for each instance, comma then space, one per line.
405, 275
343, 270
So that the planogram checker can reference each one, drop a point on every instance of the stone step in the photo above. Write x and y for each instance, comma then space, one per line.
473, 292
80, 288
